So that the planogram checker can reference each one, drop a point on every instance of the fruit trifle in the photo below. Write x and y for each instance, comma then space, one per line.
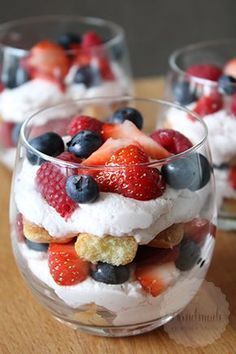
203, 78
112, 228
52, 60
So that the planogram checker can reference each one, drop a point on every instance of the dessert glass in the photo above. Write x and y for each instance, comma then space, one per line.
103, 70
221, 121
183, 218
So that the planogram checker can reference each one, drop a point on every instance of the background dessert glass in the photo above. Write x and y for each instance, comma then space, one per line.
183, 218
214, 100
31, 80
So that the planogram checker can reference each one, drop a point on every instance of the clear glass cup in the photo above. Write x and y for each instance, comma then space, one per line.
160, 245
215, 101
33, 78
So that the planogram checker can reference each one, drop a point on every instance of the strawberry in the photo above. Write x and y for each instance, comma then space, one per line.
80, 123
232, 177
127, 130
90, 39
197, 229
155, 278
205, 71
233, 104
6, 129
65, 266
129, 155
208, 105
146, 254
105, 69
230, 68
171, 140
48, 60
69, 157
51, 184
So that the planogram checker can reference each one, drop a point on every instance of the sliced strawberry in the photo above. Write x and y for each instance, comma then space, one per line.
156, 278
127, 130
197, 229
171, 140
79, 123
208, 105
129, 155
49, 59
205, 71
6, 134
90, 39
230, 68
232, 177
65, 266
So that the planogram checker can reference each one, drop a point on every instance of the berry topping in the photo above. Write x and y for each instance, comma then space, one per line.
51, 183
86, 75
84, 143
90, 39
127, 113
82, 189
208, 104
192, 172
110, 274
156, 278
15, 133
129, 130
189, 254
183, 93
233, 105
105, 69
35, 246
150, 255
198, 229
67, 156
15, 76
129, 155
230, 68
232, 177
79, 123
171, 140
6, 129
66, 40
50, 144
227, 85
205, 71
65, 266
48, 59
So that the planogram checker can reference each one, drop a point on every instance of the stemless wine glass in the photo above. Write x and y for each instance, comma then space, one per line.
131, 249
47, 60
201, 77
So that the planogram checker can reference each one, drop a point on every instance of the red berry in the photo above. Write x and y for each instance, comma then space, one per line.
90, 39
6, 134
151, 255
233, 104
69, 157
80, 123
205, 71
208, 104
65, 266
171, 140
232, 177
129, 155
105, 69
197, 229
51, 183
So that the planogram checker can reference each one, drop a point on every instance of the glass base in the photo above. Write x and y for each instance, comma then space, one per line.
119, 331
227, 224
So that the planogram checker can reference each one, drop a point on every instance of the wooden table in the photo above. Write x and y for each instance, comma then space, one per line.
25, 327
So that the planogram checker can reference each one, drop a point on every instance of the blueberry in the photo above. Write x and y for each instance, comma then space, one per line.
15, 133
66, 39
14, 77
87, 75
189, 254
84, 143
117, 51
39, 247
192, 172
82, 189
127, 113
110, 274
183, 94
49, 143
227, 85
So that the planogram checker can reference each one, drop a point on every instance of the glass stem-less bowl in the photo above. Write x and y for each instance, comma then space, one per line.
51, 59
130, 259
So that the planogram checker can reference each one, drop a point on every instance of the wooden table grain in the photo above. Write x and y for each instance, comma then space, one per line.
25, 327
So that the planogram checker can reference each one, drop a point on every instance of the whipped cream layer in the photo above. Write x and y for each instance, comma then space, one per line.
128, 302
221, 131
223, 187
111, 214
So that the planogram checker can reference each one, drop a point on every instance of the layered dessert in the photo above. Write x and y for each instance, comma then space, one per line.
209, 90
112, 225
51, 72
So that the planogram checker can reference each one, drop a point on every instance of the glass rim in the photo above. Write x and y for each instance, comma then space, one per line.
90, 20
156, 101
172, 60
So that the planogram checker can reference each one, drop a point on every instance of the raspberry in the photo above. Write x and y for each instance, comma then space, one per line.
171, 140
90, 39
205, 71
80, 123
51, 184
